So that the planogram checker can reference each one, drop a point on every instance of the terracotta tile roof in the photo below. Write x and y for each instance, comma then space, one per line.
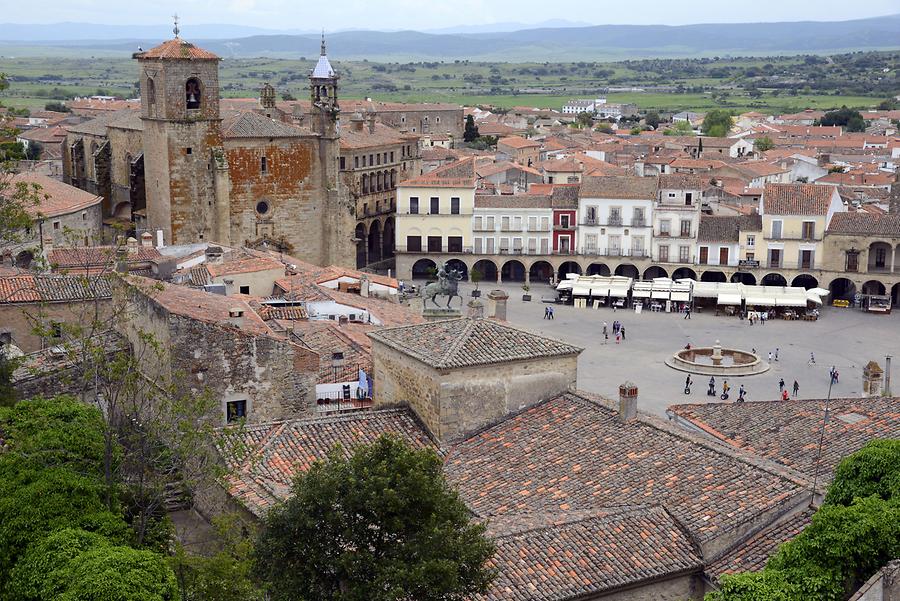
719, 228
564, 196
199, 305
572, 453
97, 257
466, 342
242, 263
98, 125
45, 135
518, 142
56, 198
177, 49
788, 432
680, 181
707, 164
389, 313
248, 124
620, 187
280, 450
575, 558
460, 174
52, 288
382, 136
865, 223
568, 165
282, 313
299, 288
796, 199
759, 168
752, 555
327, 337
101, 104
857, 179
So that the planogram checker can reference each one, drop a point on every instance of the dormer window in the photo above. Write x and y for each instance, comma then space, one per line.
192, 93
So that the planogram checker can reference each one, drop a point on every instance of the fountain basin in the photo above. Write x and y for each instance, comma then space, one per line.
717, 361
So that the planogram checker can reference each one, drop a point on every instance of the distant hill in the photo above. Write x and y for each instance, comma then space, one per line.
602, 42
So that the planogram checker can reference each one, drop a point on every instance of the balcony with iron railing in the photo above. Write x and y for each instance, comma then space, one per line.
447, 251
637, 253
511, 228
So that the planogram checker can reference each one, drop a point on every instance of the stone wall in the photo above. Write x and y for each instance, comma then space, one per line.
125, 144
454, 403
21, 320
680, 588
884, 585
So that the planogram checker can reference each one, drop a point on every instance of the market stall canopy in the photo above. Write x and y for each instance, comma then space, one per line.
641, 290
729, 298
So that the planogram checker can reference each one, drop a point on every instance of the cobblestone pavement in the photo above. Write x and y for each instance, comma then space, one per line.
844, 338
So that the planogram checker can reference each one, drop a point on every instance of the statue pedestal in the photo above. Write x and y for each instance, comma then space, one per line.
433, 314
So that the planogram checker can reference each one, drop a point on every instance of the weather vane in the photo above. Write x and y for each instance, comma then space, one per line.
175, 29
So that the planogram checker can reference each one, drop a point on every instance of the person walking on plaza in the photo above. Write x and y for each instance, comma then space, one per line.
784, 395
604, 328
796, 389
551, 312
781, 385
776, 353
812, 359
712, 386
546, 312
741, 393
687, 384
622, 331
687, 313
770, 356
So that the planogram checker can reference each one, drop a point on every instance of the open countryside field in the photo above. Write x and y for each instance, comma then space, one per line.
768, 84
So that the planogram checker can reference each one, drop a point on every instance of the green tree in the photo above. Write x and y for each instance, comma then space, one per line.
471, 132
7, 369
652, 119
717, 123
584, 119
59, 107
34, 150
381, 525
763, 144
853, 534
847, 118
680, 128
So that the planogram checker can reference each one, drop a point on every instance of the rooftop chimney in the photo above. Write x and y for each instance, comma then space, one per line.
132, 245
628, 394
236, 316
147, 240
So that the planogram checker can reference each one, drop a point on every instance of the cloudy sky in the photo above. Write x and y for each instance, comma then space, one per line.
433, 14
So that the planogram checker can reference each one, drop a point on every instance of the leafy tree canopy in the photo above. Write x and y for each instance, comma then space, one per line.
847, 118
763, 144
471, 132
717, 123
652, 119
381, 525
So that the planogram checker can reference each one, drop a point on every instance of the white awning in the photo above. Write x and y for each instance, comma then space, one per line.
581, 289
637, 293
819, 291
813, 298
729, 298
565, 285
762, 301
601, 291
681, 296
619, 290
790, 301
660, 294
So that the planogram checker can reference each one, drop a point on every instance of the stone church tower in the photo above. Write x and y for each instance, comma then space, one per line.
339, 218
894, 199
181, 139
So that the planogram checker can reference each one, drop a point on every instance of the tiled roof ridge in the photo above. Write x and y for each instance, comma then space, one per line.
785, 516
454, 346
714, 445
602, 514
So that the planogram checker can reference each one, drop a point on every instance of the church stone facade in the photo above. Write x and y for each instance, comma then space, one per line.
254, 177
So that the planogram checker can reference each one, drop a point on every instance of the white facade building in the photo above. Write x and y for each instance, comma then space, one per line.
676, 218
512, 225
615, 216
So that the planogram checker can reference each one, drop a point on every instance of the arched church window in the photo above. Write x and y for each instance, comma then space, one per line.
192, 93
151, 91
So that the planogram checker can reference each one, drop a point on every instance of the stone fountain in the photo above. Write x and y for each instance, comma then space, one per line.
717, 361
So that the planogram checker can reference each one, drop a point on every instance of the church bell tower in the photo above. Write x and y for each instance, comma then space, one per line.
180, 115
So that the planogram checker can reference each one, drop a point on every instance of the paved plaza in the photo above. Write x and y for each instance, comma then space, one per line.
845, 338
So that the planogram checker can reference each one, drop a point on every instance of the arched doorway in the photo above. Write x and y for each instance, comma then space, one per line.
773, 279
540, 271
374, 242
895, 294
460, 267
568, 267
487, 269
360, 236
842, 288
655, 272
628, 270
880, 255
423, 269
713, 276
597, 269
805, 281
512, 271
742, 277
387, 239
873, 287
684, 273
